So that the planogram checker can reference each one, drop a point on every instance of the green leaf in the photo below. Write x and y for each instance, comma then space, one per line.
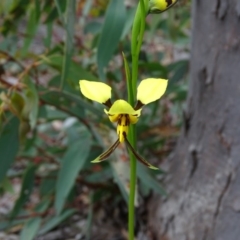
32, 226
179, 70
49, 113
119, 179
18, 102
93, 27
111, 34
68, 48
17, 10
55, 221
70, 103
72, 162
5, 224
31, 29
76, 72
149, 181
9, 144
155, 68
52, 15
88, 5
61, 7
27, 186
30, 229
48, 38
24, 128
129, 20
37, 9
48, 184
7, 185
31, 105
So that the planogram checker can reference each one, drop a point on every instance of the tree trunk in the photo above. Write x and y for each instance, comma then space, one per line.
203, 179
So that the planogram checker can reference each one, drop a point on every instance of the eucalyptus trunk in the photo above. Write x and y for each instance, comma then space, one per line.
203, 179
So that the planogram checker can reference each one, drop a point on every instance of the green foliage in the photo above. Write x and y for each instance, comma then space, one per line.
111, 34
52, 222
8, 145
30, 229
27, 187
49, 133
72, 162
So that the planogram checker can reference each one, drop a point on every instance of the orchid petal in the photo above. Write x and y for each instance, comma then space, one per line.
138, 157
96, 91
107, 153
122, 107
151, 89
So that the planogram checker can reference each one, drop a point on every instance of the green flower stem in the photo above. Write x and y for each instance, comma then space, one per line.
142, 28
137, 37
136, 43
133, 179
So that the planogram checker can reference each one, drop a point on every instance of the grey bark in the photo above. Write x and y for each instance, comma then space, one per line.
203, 179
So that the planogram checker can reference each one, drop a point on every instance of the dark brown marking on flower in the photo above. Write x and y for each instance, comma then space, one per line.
127, 122
169, 3
120, 120
108, 103
107, 153
139, 105
138, 157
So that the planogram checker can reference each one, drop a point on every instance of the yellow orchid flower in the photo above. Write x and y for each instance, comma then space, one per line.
122, 112
158, 6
